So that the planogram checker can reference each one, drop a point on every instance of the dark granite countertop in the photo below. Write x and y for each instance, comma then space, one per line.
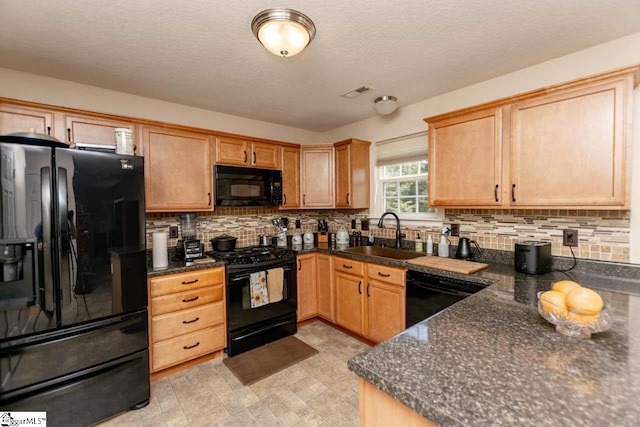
491, 359
180, 266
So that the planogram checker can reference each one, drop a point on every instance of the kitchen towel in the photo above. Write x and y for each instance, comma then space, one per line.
258, 289
275, 282
159, 249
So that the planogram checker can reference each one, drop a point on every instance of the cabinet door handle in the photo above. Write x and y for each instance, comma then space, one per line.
284, 199
69, 134
360, 287
190, 299
384, 275
49, 130
368, 287
188, 347
190, 321
254, 157
190, 282
347, 266
304, 199
495, 193
348, 199
513, 193
209, 195
245, 157
299, 265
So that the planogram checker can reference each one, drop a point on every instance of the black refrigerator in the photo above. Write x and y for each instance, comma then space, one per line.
73, 329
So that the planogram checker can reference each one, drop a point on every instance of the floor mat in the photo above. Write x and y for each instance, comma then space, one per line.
264, 361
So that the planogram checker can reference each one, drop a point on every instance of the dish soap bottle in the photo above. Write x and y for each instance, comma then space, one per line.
429, 245
443, 247
418, 245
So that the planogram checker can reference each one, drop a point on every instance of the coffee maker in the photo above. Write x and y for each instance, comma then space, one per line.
189, 246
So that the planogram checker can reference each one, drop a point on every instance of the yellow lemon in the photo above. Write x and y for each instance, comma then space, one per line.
584, 301
565, 286
553, 302
584, 320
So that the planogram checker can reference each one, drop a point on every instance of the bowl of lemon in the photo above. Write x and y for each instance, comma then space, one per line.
575, 310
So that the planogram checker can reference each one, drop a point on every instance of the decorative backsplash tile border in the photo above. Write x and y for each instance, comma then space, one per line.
602, 235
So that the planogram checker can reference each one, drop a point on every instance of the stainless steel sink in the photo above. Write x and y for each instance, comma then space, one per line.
384, 252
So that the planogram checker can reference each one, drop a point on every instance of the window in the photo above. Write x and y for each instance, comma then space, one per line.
404, 187
401, 184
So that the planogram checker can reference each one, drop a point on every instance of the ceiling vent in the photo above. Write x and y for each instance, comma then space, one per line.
357, 91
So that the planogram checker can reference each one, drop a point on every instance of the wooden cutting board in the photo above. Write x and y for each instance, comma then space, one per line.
449, 264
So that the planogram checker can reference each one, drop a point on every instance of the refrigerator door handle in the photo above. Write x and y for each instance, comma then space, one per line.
45, 244
64, 240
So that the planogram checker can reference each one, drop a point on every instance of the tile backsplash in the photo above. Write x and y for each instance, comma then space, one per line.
602, 235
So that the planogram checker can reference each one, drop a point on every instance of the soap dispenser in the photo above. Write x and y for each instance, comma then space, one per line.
418, 245
429, 245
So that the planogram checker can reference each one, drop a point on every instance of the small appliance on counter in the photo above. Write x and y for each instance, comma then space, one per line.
189, 247
533, 257
464, 248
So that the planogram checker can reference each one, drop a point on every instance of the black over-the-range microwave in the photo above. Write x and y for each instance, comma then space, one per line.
238, 186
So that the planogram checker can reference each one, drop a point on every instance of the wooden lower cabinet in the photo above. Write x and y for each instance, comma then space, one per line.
306, 278
188, 316
370, 302
350, 302
325, 287
378, 409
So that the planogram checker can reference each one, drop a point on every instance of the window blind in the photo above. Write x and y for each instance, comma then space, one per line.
408, 148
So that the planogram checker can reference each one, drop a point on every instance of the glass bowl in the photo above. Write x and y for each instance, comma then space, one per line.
568, 326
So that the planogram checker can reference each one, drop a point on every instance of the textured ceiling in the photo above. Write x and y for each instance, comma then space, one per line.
202, 53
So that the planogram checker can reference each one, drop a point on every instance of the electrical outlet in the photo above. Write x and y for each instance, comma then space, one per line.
173, 231
569, 237
297, 223
364, 224
455, 230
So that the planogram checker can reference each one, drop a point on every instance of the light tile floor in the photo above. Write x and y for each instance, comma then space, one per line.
318, 391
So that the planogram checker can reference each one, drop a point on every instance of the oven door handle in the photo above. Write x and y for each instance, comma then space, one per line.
440, 287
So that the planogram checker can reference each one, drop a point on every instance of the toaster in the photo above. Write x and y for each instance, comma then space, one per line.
533, 257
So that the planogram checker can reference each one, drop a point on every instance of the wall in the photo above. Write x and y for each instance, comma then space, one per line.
608, 56
47, 90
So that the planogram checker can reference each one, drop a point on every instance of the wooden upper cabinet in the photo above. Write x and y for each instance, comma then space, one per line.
317, 176
240, 152
352, 174
265, 155
565, 146
290, 177
569, 149
465, 160
14, 118
94, 130
177, 170
232, 151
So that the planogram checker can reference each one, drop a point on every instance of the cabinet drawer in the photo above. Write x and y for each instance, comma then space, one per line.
163, 285
189, 346
349, 266
182, 322
182, 300
383, 273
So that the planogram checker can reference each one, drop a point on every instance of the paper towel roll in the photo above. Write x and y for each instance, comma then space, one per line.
160, 254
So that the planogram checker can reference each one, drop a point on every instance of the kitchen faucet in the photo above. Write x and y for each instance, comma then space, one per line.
399, 235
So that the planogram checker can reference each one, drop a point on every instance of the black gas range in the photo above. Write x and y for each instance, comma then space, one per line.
251, 325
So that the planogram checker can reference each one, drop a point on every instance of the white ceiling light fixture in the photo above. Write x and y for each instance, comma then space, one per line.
386, 104
283, 32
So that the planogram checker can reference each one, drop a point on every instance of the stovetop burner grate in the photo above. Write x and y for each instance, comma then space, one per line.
252, 255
